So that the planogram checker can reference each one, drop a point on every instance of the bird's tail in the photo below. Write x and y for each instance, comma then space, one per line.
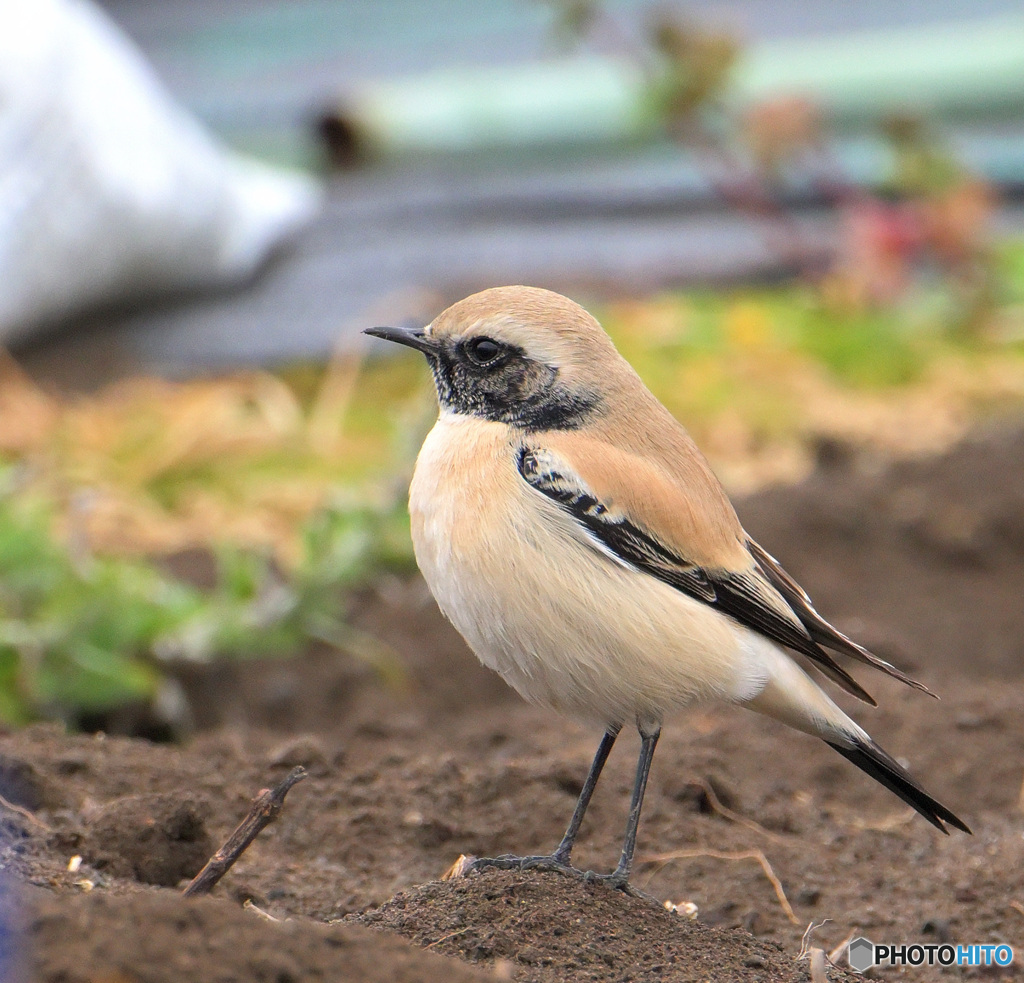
790, 695
886, 770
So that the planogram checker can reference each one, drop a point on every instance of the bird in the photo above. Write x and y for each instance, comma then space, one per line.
573, 533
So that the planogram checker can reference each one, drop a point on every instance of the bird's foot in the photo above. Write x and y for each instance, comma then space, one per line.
618, 879
508, 861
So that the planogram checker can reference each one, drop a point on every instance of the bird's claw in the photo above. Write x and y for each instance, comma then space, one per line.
509, 862
618, 879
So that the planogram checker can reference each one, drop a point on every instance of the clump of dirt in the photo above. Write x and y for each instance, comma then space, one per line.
763, 830
599, 934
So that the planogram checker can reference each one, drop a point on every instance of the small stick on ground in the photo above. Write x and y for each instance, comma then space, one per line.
805, 939
841, 948
25, 814
666, 858
450, 935
734, 817
256, 910
265, 809
817, 957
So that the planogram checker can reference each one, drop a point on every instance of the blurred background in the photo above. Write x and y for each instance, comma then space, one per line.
801, 221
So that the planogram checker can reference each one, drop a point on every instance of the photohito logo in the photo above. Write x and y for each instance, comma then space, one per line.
863, 954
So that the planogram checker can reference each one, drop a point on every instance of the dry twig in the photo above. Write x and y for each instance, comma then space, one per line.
757, 855
450, 935
819, 960
25, 814
265, 809
840, 949
805, 948
248, 905
735, 817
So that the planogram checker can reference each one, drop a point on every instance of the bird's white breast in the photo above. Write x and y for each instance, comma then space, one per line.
564, 624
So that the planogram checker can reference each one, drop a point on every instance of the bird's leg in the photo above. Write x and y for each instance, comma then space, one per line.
560, 859
564, 850
648, 742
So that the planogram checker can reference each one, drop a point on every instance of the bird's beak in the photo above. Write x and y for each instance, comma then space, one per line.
410, 337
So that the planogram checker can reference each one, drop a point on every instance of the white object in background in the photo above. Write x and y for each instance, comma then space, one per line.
108, 190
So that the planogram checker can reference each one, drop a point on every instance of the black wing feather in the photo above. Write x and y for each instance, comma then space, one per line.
817, 627
742, 597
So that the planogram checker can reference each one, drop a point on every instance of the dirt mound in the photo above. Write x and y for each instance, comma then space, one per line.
597, 934
762, 829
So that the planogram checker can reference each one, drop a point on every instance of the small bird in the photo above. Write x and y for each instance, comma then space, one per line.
573, 533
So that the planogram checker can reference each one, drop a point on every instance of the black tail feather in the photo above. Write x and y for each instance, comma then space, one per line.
883, 768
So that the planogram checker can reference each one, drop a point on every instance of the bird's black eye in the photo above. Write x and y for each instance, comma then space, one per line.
483, 351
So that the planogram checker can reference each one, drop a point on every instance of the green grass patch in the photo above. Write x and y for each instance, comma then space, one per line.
84, 633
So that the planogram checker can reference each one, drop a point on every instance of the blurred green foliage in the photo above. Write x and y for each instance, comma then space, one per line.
87, 633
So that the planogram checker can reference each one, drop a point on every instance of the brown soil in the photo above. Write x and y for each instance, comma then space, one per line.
924, 561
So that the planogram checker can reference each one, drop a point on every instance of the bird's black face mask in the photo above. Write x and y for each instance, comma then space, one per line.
483, 377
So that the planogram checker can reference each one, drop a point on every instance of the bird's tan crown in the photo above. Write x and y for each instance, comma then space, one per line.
542, 323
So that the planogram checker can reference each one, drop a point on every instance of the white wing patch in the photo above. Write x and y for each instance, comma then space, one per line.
543, 469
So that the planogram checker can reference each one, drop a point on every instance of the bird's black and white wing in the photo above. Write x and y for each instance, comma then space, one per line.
761, 596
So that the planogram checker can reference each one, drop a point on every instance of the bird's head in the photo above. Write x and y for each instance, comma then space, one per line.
519, 355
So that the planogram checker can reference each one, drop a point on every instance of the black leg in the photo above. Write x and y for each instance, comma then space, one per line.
559, 860
564, 850
648, 742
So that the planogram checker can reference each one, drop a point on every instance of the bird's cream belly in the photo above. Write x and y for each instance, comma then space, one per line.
564, 624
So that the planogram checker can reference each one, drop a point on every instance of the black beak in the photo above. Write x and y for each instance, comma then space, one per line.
410, 337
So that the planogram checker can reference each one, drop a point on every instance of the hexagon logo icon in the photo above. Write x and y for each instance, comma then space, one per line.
861, 953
